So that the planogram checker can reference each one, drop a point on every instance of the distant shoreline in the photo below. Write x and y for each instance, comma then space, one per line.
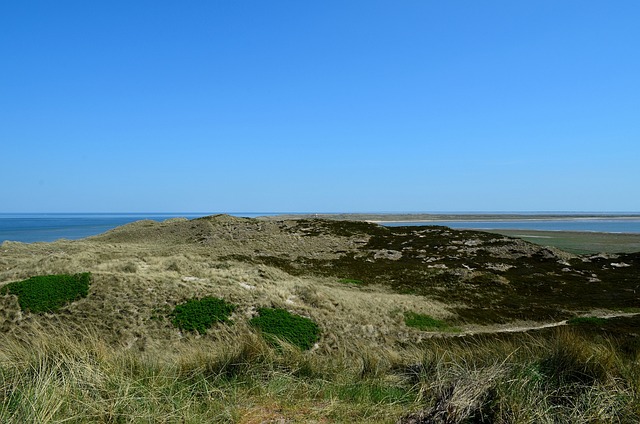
510, 219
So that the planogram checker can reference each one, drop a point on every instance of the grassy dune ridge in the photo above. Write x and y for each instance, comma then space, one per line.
115, 356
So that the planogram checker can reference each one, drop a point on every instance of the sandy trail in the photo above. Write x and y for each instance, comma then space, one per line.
525, 328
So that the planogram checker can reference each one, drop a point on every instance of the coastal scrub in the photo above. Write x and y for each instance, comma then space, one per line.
425, 322
280, 324
200, 314
48, 293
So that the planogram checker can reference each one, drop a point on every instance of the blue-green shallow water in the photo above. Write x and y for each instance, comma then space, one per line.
30, 228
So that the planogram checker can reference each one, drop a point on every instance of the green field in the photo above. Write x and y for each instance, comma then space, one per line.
579, 242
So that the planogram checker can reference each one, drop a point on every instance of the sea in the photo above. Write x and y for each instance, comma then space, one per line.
37, 227
45, 227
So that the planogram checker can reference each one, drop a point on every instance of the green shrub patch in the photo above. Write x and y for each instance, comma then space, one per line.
280, 324
48, 293
200, 314
350, 281
587, 321
426, 322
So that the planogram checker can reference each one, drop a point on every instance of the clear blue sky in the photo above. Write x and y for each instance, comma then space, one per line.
323, 106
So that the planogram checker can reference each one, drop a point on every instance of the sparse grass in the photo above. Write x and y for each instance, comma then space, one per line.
279, 324
48, 293
200, 314
426, 322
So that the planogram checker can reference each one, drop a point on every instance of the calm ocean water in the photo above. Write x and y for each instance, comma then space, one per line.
35, 227
30, 228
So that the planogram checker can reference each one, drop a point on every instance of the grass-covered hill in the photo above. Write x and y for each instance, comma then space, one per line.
374, 310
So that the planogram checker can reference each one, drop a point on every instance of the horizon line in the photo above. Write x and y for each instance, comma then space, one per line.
528, 212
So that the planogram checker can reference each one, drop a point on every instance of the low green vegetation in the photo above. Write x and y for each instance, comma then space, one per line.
630, 310
48, 293
579, 242
587, 321
426, 322
200, 314
279, 324
350, 281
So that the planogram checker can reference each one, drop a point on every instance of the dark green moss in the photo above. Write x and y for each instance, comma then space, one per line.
48, 293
